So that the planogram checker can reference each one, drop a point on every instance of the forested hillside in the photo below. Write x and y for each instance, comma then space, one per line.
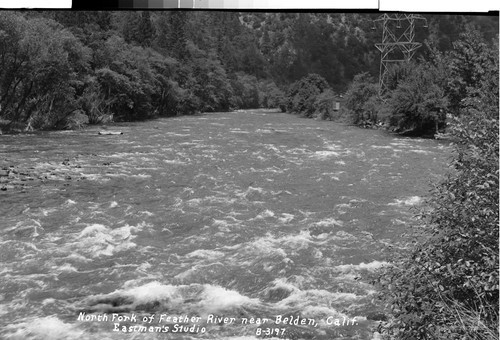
62, 69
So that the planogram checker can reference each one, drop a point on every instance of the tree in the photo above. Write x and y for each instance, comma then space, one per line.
212, 84
177, 35
446, 286
360, 98
302, 94
41, 66
418, 103
470, 62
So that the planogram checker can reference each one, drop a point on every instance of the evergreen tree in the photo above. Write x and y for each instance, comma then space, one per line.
177, 35
146, 30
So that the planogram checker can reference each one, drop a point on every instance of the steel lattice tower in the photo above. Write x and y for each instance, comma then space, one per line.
397, 44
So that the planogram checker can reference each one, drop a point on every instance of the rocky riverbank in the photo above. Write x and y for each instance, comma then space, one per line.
18, 177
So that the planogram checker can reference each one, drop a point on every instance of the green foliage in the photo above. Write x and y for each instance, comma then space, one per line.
40, 68
453, 274
212, 84
470, 62
302, 94
141, 64
324, 105
361, 99
271, 96
246, 91
127, 80
176, 40
446, 286
418, 102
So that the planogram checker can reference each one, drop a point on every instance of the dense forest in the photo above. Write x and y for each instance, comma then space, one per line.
64, 69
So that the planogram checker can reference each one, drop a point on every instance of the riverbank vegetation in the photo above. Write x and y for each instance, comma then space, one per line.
420, 94
61, 69
446, 286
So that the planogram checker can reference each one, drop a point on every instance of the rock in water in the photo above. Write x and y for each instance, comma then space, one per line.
110, 133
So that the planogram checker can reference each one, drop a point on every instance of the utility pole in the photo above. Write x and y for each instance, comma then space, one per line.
398, 42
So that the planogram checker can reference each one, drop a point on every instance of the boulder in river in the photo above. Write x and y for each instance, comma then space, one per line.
104, 132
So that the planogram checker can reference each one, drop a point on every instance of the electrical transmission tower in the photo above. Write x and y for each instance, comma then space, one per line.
397, 44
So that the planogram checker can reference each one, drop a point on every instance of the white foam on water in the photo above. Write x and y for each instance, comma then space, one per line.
409, 201
425, 152
272, 147
327, 222
322, 236
398, 221
265, 214
271, 169
3, 309
196, 298
144, 267
77, 257
185, 275
286, 218
266, 246
251, 193
315, 312
218, 298
370, 266
140, 176
66, 267
295, 242
145, 212
223, 200
222, 225
340, 162
333, 175
326, 154
299, 151
381, 147
282, 283
179, 134
331, 146
315, 302
400, 143
48, 301
46, 212
97, 239
343, 235
70, 202
47, 328
206, 254
174, 161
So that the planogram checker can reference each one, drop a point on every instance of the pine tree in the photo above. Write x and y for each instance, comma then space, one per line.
146, 30
177, 36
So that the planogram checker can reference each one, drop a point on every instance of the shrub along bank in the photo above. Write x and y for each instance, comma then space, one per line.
420, 95
446, 287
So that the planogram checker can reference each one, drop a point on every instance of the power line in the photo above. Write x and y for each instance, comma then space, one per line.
398, 42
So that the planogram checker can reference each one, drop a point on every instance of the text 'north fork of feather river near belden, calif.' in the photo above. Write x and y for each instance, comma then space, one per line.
165, 323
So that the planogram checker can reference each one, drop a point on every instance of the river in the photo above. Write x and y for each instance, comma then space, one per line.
237, 225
